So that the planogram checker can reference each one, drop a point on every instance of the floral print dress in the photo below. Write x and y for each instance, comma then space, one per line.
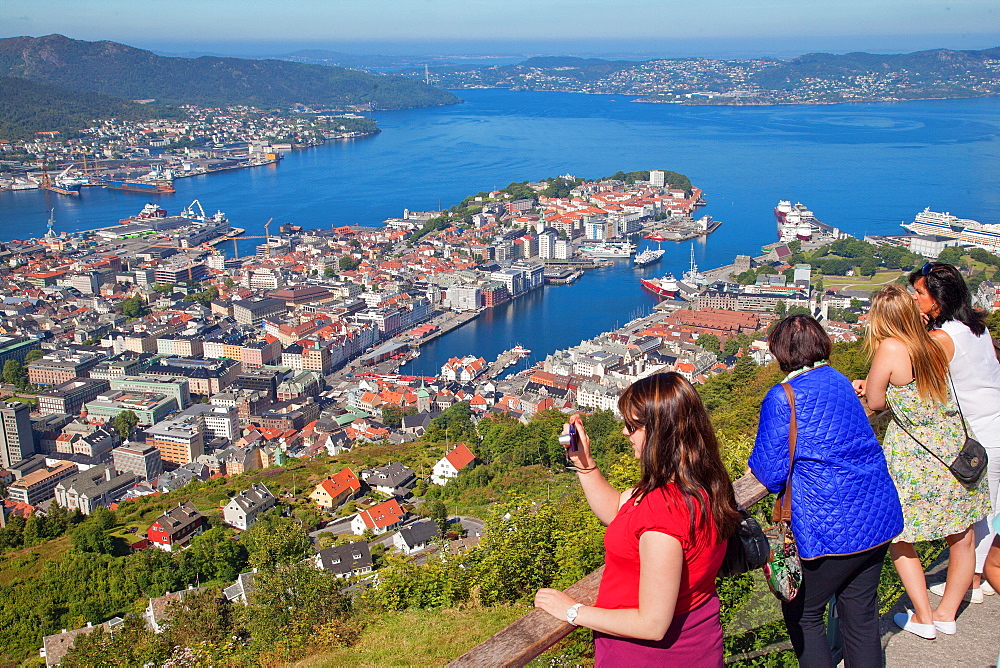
935, 504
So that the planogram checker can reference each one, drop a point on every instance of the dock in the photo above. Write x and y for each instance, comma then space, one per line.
506, 359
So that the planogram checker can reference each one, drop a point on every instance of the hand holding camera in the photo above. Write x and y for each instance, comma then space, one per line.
574, 438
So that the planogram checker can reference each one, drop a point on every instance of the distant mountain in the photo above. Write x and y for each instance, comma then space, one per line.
809, 79
124, 71
27, 107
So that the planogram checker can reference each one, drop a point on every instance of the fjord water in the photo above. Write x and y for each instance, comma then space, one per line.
862, 167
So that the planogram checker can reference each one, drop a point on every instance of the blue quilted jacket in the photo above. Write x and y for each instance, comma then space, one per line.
843, 500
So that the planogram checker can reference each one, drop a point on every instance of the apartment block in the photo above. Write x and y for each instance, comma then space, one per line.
70, 397
40, 485
17, 441
142, 460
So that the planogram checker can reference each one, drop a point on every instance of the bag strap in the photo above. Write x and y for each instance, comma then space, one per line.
954, 393
899, 423
783, 504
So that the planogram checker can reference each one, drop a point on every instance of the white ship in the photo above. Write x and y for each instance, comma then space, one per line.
794, 221
648, 256
609, 249
692, 276
953, 227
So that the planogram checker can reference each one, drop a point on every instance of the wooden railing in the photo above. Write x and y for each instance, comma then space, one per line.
522, 641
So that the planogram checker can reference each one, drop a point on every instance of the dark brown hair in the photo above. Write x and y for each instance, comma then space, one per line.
680, 448
799, 341
946, 286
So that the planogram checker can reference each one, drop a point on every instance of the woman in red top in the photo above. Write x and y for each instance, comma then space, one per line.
666, 536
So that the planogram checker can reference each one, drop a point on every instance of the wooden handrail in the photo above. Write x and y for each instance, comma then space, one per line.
532, 634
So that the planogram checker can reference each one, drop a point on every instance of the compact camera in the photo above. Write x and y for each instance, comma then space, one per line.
570, 441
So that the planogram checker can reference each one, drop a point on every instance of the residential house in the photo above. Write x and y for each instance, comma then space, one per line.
175, 528
378, 519
393, 479
345, 560
244, 508
336, 489
452, 463
416, 536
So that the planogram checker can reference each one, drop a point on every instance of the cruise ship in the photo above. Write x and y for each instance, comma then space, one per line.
953, 227
795, 221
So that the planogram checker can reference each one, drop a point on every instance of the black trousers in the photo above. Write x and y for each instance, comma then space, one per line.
854, 580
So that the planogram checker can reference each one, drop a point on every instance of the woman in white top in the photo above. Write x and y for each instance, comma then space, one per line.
944, 299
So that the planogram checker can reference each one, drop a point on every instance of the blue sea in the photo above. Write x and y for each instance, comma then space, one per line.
863, 167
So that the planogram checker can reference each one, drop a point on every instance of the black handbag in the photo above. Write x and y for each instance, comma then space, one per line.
747, 548
970, 464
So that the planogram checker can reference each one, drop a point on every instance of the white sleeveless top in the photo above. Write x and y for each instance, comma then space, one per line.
976, 374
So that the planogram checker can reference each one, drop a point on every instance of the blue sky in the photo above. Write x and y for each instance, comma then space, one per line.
657, 27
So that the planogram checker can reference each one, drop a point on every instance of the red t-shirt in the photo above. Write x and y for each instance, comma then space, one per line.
662, 510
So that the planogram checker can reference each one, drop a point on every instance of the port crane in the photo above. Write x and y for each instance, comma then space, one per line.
266, 235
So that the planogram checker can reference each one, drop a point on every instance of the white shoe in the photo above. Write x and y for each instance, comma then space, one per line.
971, 596
987, 589
948, 628
904, 621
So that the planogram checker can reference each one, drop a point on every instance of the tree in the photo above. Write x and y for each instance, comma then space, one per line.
133, 307
125, 422
329, 271
14, 374
348, 263
437, 511
709, 342
33, 355
951, 255
89, 537
780, 308
274, 541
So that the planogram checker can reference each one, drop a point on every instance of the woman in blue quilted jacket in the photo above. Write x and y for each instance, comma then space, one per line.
845, 509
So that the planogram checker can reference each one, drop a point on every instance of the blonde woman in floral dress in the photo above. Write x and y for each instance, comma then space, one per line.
909, 376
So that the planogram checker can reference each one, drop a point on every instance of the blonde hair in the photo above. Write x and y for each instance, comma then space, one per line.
895, 315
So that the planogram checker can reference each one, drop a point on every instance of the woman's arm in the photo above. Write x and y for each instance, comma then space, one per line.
891, 364
604, 499
661, 560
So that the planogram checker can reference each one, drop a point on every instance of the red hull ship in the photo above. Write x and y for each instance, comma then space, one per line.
664, 288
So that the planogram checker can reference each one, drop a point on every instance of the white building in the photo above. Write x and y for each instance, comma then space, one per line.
451, 464
243, 509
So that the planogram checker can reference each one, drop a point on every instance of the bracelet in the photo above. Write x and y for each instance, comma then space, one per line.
585, 470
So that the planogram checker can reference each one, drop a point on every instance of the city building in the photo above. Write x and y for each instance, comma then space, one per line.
250, 312
177, 387
40, 485
95, 487
207, 376
142, 460
15, 348
179, 441
71, 396
149, 408
60, 366
17, 440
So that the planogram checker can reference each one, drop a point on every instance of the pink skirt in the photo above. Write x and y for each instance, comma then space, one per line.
693, 639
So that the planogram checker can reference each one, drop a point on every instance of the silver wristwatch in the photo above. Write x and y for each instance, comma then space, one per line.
572, 612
